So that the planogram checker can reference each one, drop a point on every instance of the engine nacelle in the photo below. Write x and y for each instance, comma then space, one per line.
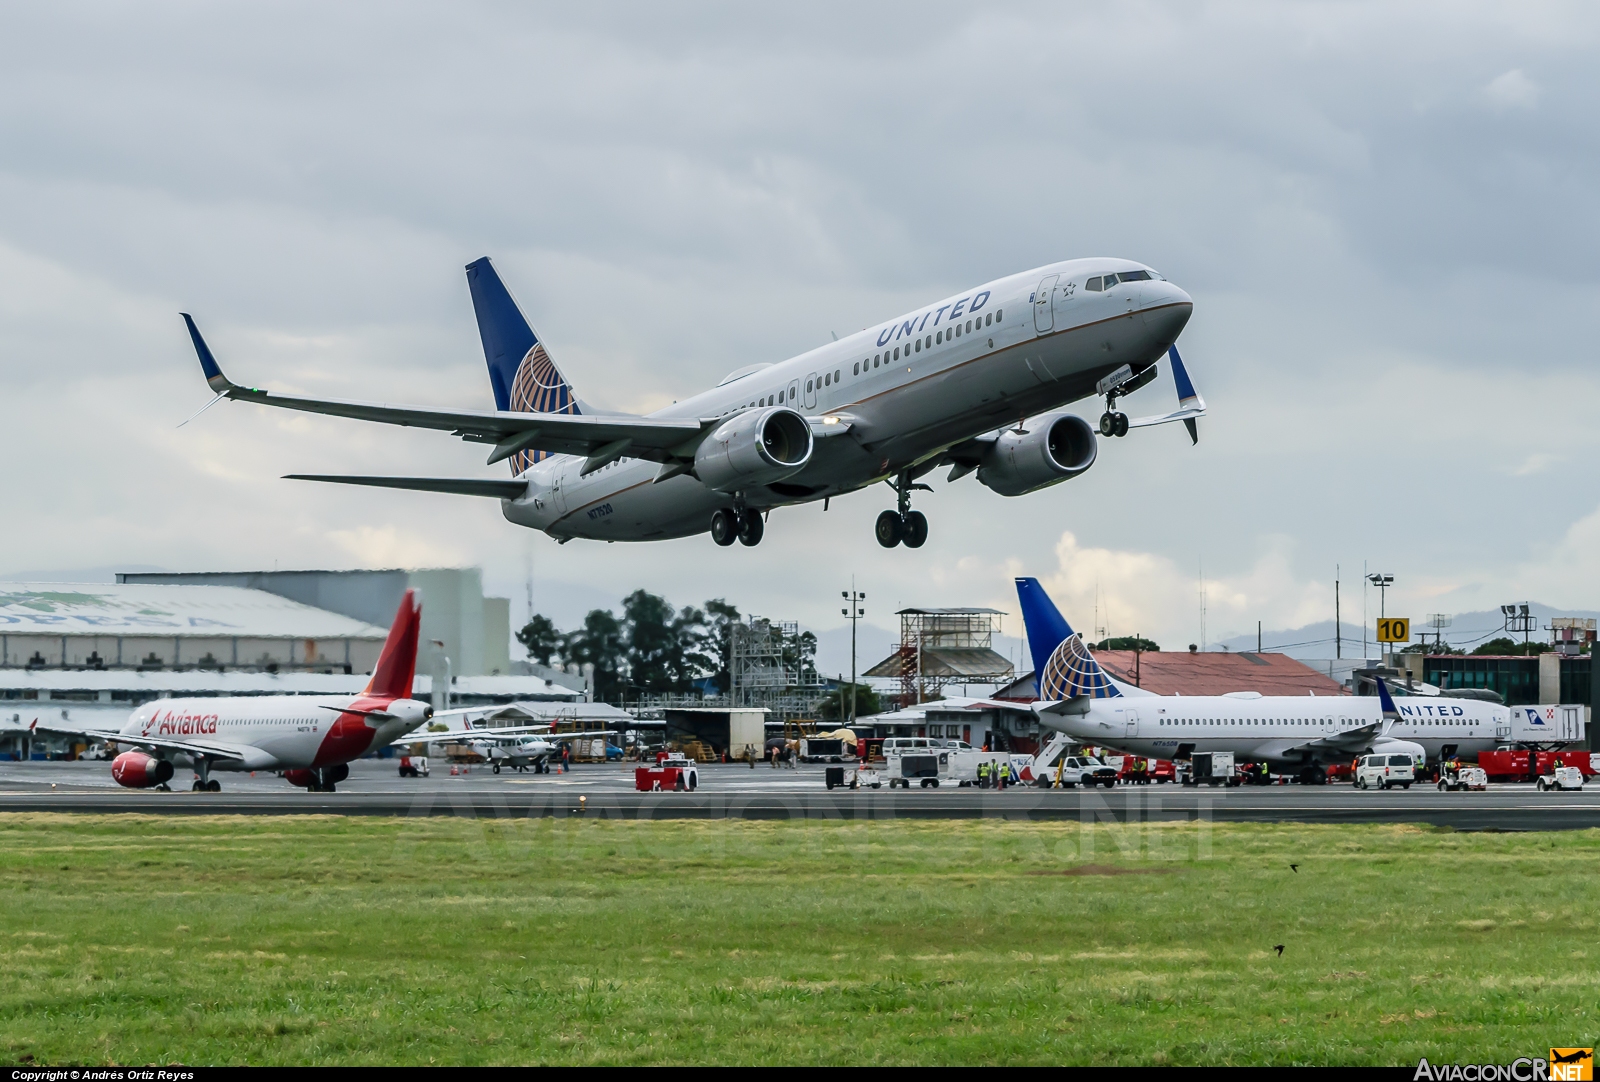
306, 778
755, 448
1055, 447
137, 770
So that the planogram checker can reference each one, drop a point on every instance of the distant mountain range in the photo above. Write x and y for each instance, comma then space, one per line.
1466, 631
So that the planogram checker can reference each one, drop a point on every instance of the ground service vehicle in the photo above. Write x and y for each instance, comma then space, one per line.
919, 765
1075, 770
676, 772
1212, 768
1563, 777
1458, 778
413, 766
851, 777
1385, 771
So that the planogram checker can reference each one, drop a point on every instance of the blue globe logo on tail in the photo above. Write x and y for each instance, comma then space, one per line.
538, 388
1062, 665
1072, 671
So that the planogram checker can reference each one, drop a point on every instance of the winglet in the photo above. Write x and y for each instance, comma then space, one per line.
1188, 397
208, 364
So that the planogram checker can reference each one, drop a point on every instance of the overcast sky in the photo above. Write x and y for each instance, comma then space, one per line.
1386, 214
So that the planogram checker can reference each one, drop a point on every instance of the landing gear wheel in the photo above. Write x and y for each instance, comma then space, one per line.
915, 529
751, 528
724, 526
495, 768
213, 786
889, 529
200, 786
1121, 423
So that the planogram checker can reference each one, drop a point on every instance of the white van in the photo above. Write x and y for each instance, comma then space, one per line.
1385, 771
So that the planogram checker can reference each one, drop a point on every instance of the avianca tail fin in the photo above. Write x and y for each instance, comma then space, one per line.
524, 377
1063, 668
396, 670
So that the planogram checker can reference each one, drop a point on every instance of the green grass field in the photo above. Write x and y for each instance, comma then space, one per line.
135, 939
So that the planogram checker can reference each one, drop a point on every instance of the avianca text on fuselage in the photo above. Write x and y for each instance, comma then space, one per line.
976, 381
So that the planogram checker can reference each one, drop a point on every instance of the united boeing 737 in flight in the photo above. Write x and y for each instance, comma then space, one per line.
975, 381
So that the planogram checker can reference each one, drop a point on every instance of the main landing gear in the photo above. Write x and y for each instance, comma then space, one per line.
204, 783
903, 525
729, 524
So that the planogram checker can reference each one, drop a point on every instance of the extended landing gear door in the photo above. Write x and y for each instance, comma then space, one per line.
1043, 320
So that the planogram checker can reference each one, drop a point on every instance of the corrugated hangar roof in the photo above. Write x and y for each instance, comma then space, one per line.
94, 608
1183, 673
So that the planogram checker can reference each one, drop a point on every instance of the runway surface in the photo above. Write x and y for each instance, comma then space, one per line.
606, 791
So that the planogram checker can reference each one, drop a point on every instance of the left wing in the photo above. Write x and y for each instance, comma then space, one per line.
495, 735
602, 438
1349, 742
187, 747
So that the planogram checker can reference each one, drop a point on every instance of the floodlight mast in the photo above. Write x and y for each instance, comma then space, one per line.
1382, 582
853, 613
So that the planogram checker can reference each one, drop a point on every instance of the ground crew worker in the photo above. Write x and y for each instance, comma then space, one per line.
983, 775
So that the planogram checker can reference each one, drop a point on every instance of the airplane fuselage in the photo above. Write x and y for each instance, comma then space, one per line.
281, 732
1276, 729
900, 393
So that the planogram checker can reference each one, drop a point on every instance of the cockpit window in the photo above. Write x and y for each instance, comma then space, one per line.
1134, 276
1111, 280
1095, 284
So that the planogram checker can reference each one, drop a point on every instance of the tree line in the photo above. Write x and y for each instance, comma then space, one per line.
652, 648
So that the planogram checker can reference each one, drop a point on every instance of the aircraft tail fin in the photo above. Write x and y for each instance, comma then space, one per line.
1063, 667
1391, 713
524, 377
396, 670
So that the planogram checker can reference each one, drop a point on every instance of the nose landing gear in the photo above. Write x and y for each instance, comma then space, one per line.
730, 524
1113, 423
903, 526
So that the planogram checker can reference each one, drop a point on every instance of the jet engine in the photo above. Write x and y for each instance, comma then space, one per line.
311, 779
757, 447
1051, 449
137, 770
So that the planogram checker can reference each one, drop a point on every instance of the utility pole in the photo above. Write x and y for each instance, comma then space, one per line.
853, 613
1258, 636
1338, 642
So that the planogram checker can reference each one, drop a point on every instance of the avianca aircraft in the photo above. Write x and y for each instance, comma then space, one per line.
974, 381
310, 738
1290, 733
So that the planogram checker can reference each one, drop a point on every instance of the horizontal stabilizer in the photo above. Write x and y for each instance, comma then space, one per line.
455, 486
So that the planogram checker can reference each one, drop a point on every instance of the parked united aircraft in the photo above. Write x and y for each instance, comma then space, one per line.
309, 738
1301, 734
975, 381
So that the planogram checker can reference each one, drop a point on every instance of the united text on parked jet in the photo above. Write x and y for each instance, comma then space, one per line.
975, 381
310, 739
1301, 734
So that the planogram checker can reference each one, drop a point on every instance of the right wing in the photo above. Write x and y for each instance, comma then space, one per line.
467, 736
599, 437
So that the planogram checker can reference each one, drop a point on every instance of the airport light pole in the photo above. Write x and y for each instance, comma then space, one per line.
853, 613
1382, 582
447, 678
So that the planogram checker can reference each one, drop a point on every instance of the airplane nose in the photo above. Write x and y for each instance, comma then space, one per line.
1166, 310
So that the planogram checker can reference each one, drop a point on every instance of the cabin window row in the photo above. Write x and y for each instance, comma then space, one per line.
948, 334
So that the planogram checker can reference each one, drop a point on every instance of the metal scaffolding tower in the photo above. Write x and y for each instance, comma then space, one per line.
940, 647
766, 669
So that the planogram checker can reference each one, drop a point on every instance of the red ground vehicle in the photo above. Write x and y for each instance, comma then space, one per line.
1507, 765
1162, 772
1135, 770
672, 773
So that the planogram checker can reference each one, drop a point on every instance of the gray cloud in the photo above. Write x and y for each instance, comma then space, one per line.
1382, 210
